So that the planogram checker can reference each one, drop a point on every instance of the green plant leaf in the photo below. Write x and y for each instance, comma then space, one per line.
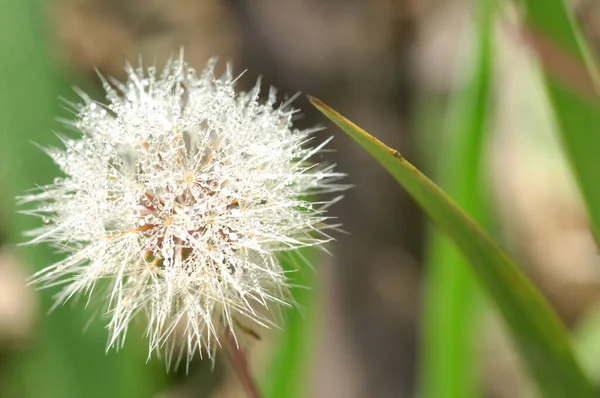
587, 343
62, 361
571, 81
541, 339
287, 371
451, 298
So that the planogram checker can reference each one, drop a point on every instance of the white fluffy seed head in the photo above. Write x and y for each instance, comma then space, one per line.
177, 196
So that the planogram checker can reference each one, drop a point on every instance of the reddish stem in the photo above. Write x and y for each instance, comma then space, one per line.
239, 362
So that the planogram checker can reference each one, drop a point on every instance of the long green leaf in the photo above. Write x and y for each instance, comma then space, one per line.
62, 361
571, 81
538, 334
449, 366
587, 343
287, 372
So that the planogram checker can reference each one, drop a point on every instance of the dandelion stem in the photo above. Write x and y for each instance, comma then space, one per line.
240, 363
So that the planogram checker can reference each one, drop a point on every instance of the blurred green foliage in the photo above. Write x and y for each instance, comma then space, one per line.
449, 365
63, 361
573, 92
571, 78
288, 370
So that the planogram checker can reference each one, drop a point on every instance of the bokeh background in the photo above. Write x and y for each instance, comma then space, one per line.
396, 68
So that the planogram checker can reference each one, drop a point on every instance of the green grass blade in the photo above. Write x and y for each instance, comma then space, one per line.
571, 81
63, 361
287, 373
451, 297
587, 343
541, 339
572, 90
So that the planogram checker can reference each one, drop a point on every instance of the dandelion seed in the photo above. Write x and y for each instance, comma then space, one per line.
177, 196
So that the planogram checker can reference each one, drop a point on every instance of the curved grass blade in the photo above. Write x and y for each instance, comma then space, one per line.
541, 339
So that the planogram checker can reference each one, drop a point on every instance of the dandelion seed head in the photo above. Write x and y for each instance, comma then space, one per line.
177, 196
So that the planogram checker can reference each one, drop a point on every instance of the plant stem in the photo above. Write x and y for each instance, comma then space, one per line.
240, 364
